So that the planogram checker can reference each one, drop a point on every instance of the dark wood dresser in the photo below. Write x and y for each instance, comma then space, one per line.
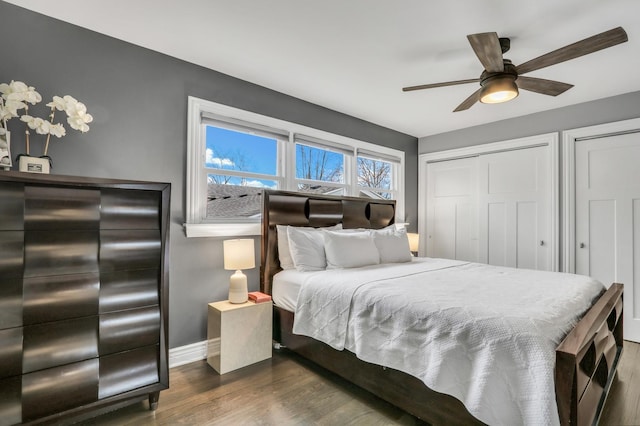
84, 275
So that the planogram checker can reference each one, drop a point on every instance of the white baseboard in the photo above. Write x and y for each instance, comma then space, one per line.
193, 352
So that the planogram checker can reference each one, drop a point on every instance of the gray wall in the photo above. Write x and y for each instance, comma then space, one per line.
601, 111
139, 100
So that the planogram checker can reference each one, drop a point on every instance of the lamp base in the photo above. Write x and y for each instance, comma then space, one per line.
238, 292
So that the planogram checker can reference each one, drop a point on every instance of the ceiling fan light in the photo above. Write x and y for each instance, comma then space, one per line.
497, 90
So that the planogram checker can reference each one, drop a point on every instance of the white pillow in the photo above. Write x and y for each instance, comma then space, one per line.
350, 250
284, 253
392, 244
307, 249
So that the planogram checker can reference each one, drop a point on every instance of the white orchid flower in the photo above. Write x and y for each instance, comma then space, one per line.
58, 103
27, 119
13, 105
5, 114
70, 104
57, 130
18, 91
35, 123
78, 116
78, 122
3, 131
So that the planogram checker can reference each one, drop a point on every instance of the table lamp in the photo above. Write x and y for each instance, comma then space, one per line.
414, 242
238, 255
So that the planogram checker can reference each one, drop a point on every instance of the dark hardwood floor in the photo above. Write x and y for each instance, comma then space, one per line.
287, 390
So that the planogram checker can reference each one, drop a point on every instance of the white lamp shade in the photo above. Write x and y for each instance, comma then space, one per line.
414, 241
239, 254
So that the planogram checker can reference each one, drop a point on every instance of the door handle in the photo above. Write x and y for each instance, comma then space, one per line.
582, 245
541, 242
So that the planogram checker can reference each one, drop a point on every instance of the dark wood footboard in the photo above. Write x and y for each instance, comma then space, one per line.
587, 359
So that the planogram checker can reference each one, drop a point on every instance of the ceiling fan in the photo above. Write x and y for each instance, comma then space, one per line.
500, 80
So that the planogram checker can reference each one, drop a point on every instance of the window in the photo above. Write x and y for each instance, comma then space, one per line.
234, 154
239, 163
321, 166
376, 175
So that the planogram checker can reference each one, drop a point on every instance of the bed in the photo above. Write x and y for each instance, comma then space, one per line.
585, 359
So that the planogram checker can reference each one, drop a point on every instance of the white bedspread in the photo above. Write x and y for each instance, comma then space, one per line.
486, 335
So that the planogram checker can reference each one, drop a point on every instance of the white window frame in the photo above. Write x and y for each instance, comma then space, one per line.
196, 188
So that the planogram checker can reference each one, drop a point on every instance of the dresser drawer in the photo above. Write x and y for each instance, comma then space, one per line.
121, 331
60, 297
58, 343
122, 209
58, 389
128, 370
10, 352
48, 253
129, 289
129, 249
10, 400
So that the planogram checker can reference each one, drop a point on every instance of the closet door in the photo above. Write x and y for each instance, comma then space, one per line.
607, 213
514, 210
452, 225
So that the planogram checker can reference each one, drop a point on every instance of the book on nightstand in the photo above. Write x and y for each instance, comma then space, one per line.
259, 297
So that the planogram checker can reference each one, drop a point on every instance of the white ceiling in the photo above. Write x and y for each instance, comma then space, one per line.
354, 56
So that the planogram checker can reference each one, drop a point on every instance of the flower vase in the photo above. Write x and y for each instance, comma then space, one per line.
27, 163
5, 150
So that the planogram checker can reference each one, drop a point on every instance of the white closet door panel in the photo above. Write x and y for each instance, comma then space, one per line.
496, 234
512, 172
451, 210
527, 234
624, 174
520, 235
444, 229
596, 254
451, 180
607, 226
466, 232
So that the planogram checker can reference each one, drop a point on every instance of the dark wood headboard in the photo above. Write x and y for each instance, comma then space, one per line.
300, 209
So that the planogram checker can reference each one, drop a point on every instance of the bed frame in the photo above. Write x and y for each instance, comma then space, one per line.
586, 360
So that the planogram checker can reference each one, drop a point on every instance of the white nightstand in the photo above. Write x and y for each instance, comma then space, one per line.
243, 332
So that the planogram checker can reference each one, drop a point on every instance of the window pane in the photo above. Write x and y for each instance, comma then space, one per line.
231, 196
374, 173
231, 150
320, 189
378, 195
319, 164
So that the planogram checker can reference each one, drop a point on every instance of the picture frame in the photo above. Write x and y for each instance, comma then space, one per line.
5, 151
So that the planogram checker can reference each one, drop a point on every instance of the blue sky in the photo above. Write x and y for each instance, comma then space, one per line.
231, 150
227, 147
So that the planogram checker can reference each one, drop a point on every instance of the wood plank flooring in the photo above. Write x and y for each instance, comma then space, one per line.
287, 390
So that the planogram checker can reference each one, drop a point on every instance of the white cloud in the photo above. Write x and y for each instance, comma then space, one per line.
217, 161
258, 184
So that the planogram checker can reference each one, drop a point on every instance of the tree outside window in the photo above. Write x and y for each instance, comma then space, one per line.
375, 178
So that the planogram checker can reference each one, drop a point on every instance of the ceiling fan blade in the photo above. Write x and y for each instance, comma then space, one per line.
488, 50
542, 86
447, 83
468, 103
584, 47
